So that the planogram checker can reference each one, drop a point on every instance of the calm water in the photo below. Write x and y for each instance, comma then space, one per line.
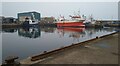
25, 42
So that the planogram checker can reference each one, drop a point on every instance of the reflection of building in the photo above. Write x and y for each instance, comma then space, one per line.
1, 23
48, 29
31, 32
9, 30
30, 15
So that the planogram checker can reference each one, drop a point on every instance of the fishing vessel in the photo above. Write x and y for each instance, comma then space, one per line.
75, 21
90, 21
30, 22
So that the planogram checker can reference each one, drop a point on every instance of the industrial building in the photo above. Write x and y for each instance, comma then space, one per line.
31, 15
47, 20
8, 20
1, 19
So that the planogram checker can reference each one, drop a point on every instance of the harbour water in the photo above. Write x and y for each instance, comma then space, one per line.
0, 48
25, 42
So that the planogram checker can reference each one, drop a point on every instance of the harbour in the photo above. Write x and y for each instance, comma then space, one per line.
42, 39
64, 36
59, 33
99, 24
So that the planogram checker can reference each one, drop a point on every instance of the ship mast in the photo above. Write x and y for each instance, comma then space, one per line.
33, 16
79, 12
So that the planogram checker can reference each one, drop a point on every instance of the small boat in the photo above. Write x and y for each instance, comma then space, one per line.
90, 22
29, 22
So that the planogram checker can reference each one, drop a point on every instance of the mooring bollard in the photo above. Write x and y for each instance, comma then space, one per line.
72, 44
97, 37
45, 52
10, 61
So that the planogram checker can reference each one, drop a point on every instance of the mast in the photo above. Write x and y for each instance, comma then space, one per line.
112, 19
33, 16
79, 12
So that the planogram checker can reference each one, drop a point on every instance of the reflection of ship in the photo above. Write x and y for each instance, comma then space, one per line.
31, 32
75, 33
72, 29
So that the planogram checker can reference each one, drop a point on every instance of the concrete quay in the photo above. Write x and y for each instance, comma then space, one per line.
102, 51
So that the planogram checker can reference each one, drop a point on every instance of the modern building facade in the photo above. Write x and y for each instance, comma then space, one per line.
31, 15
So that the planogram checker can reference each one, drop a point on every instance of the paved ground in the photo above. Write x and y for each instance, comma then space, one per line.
104, 51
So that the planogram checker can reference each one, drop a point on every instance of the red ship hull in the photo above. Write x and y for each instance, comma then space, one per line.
70, 24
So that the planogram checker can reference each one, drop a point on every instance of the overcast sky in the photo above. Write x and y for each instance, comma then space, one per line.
60, 0
99, 10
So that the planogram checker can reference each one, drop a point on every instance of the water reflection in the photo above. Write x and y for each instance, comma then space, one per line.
48, 38
85, 33
35, 32
74, 33
30, 32
111, 29
48, 29
9, 30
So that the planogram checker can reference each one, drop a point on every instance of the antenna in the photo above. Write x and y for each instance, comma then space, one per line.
79, 12
74, 13
112, 19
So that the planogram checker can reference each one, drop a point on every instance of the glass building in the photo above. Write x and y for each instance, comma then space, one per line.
31, 15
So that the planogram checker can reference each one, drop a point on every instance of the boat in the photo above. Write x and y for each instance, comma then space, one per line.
30, 22
90, 22
76, 21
